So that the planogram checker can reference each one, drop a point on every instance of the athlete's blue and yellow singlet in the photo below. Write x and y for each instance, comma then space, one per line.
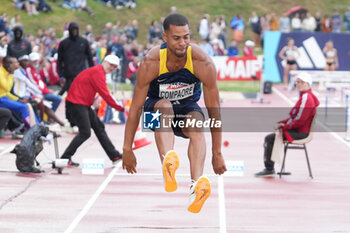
178, 87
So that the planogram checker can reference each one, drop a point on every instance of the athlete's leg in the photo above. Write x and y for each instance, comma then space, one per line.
197, 146
286, 74
164, 136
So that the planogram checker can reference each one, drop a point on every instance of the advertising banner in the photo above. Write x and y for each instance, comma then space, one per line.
310, 46
238, 68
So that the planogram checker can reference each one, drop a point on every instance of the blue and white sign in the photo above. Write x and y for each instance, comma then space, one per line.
151, 120
93, 167
234, 168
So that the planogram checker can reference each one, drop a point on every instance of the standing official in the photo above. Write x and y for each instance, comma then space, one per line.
80, 97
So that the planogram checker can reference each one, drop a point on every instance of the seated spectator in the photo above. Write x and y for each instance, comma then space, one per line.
206, 46
82, 5
34, 76
16, 21
44, 6
232, 50
132, 71
248, 49
7, 99
296, 126
216, 48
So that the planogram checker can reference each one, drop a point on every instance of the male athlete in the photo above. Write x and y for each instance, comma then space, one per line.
171, 76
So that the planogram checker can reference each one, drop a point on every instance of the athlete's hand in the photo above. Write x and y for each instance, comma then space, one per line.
129, 161
218, 163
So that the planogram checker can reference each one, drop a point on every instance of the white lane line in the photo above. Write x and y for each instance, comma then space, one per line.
7, 150
160, 174
222, 207
92, 200
291, 103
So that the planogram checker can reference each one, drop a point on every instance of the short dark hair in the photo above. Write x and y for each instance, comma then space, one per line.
7, 60
174, 19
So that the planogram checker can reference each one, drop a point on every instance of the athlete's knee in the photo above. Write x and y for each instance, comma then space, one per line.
164, 106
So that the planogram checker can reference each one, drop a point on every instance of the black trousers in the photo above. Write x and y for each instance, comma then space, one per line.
268, 145
86, 118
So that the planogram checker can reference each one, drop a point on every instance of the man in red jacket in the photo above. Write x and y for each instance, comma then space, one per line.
297, 125
80, 97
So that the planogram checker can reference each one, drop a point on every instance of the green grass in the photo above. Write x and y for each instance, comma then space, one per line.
148, 10
229, 86
239, 86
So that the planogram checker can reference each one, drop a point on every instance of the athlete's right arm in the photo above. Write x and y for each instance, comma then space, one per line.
147, 71
281, 54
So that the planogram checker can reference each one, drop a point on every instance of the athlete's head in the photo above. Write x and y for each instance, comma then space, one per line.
176, 34
290, 41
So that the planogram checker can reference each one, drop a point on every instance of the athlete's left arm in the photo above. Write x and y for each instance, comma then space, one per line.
206, 72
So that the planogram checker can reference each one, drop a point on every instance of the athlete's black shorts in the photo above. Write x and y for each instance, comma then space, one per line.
180, 111
291, 62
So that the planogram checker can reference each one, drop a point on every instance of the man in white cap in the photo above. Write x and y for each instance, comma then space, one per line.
81, 96
297, 125
248, 49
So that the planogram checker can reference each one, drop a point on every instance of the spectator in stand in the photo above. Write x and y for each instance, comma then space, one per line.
34, 76
237, 25
44, 71
117, 29
88, 34
273, 22
336, 21
254, 22
108, 32
309, 23
216, 48
3, 48
232, 50
44, 6
7, 99
132, 71
74, 56
18, 46
248, 49
222, 35
54, 78
30, 6
206, 46
265, 26
16, 21
154, 32
134, 29
284, 24
296, 23
215, 29
23, 87
347, 20
203, 27
82, 5
318, 21
326, 24
4, 29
